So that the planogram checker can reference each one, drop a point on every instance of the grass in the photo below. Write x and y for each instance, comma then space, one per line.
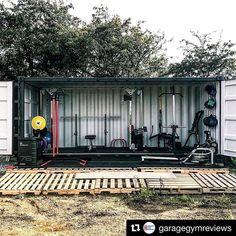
145, 195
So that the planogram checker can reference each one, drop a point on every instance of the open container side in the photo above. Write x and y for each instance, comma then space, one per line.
90, 99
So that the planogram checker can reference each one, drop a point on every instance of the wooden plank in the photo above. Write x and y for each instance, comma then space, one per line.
127, 183
86, 185
228, 179
4, 177
80, 185
123, 175
55, 182
212, 182
74, 183
17, 180
68, 181
142, 183
36, 176
50, 180
119, 183
222, 180
136, 185
40, 183
104, 183
98, 182
93, 184
10, 180
35, 185
209, 185
63, 180
112, 183
198, 180
231, 178
22, 184
220, 183
24, 180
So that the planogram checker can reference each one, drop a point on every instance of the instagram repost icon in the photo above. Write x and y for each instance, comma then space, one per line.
149, 228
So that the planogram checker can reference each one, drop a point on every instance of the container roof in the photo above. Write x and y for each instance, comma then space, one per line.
69, 82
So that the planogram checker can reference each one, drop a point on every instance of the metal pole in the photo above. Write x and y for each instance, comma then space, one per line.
173, 105
141, 109
105, 130
130, 121
76, 130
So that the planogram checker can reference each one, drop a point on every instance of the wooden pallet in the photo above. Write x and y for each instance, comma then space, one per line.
216, 183
64, 183
184, 170
182, 184
176, 170
68, 170
76, 182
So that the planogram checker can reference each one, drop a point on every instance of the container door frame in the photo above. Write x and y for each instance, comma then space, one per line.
8, 118
228, 117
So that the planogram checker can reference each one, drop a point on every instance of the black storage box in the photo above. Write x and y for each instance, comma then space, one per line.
27, 153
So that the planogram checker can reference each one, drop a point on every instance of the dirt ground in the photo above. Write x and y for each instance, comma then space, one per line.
86, 215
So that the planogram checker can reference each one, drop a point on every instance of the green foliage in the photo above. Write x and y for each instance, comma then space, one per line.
118, 48
145, 195
40, 37
205, 57
34, 37
180, 200
221, 201
230, 215
233, 159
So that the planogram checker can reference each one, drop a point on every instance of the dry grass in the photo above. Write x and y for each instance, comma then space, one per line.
86, 215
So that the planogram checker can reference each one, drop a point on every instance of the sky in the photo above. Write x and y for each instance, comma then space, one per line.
173, 17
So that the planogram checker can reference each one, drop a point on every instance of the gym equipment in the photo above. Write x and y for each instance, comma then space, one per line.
122, 141
211, 90
83, 162
200, 155
28, 151
166, 137
40, 133
76, 130
195, 128
210, 142
210, 103
159, 158
137, 137
210, 121
55, 123
105, 130
128, 97
203, 152
90, 138
38, 123
172, 138
55, 93
48, 137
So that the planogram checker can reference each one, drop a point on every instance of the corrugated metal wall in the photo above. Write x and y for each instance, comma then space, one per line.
31, 96
91, 105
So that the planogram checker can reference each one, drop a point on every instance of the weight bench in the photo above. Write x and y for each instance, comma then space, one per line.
90, 138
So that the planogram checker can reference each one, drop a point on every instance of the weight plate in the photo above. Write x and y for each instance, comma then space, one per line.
38, 123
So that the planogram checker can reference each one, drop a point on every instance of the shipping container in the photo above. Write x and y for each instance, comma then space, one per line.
98, 106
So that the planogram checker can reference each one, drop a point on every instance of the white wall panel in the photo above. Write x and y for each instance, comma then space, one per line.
6, 98
228, 121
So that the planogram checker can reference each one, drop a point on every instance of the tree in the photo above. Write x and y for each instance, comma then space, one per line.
115, 47
40, 37
205, 57
35, 36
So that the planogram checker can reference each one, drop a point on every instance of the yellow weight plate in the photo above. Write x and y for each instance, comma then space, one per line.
38, 123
